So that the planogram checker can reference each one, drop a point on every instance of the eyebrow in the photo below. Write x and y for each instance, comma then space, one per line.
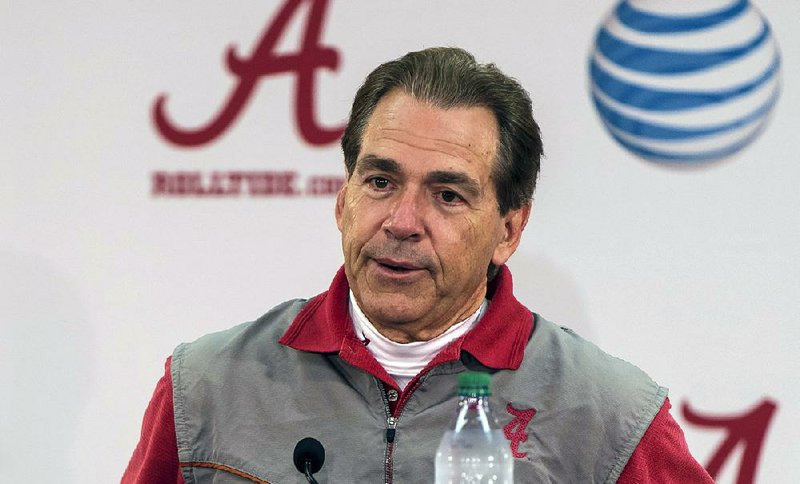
375, 163
462, 180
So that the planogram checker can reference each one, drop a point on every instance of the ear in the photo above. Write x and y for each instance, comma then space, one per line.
514, 223
340, 198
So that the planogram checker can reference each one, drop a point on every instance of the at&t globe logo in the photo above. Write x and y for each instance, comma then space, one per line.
684, 82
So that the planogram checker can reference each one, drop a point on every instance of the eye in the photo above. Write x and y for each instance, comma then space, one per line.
379, 182
450, 197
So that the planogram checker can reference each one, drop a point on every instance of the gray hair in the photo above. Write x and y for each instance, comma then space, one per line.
449, 77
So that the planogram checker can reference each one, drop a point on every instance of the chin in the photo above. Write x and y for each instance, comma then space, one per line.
392, 312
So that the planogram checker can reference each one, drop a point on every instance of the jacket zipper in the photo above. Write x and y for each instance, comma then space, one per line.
391, 424
391, 429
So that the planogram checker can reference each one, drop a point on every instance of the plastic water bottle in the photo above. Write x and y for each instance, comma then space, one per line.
475, 451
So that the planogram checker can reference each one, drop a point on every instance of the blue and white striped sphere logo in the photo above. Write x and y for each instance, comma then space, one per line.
685, 82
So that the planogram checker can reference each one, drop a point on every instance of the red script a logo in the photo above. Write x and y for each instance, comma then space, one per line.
747, 431
263, 63
516, 431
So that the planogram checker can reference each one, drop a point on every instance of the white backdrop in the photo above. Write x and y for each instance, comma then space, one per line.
692, 273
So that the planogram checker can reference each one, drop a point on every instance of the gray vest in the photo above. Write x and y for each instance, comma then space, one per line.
242, 401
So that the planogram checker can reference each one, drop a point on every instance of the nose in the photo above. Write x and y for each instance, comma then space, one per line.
405, 220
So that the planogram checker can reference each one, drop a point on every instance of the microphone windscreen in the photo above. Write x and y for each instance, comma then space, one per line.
311, 450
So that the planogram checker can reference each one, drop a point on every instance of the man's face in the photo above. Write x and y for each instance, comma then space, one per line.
419, 217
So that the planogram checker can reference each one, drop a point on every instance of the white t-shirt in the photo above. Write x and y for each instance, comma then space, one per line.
403, 361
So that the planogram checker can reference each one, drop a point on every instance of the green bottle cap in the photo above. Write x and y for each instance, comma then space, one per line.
473, 383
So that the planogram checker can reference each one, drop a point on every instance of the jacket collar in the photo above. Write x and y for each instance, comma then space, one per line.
498, 340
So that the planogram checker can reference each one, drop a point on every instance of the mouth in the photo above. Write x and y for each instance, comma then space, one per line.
397, 267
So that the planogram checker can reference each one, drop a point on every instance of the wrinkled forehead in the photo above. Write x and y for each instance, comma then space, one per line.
469, 133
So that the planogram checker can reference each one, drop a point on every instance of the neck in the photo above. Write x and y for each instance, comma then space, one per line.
405, 360
413, 331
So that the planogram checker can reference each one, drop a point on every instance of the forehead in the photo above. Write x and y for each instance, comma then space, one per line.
402, 125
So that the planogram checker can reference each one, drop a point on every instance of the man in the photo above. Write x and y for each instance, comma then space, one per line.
442, 156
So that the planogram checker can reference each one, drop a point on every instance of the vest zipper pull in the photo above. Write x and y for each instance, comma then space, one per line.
392, 430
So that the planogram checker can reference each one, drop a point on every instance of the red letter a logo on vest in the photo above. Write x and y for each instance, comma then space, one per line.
516, 431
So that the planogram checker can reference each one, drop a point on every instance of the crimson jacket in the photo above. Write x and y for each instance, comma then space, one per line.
498, 342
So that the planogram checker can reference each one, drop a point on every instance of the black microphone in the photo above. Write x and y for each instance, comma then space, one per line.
309, 455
